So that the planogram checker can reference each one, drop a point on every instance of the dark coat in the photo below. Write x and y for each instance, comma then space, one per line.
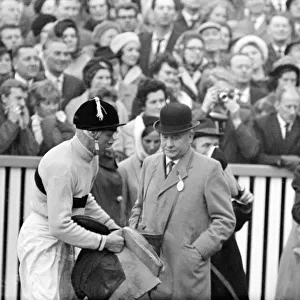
107, 188
14, 140
272, 57
72, 88
271, 142
146, 54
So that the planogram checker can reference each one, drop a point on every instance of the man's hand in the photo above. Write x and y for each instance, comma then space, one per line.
25, 118
14, 113
290, 162
234, 112
246, 197
210, 99
115, 241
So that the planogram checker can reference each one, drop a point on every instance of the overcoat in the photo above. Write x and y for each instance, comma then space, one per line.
202, 220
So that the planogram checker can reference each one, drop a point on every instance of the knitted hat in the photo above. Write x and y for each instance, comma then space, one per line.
103, 27
252, 39
122, 39
40, 22
38, 4
92, 67
209, 24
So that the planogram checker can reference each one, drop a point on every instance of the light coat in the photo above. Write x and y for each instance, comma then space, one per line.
201, 221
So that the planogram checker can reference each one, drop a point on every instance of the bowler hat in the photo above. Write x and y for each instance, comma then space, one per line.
175, 118
96, 115
206, 128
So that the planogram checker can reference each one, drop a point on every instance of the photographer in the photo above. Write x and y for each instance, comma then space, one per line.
233, 117
15, 136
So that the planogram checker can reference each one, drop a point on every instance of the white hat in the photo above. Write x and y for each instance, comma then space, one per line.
252, 39
122, 39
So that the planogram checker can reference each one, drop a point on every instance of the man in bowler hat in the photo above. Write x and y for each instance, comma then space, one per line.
64, 179
184, 196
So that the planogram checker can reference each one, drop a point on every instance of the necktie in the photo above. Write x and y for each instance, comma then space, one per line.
287, 127
158, 46
169, 167
280, 52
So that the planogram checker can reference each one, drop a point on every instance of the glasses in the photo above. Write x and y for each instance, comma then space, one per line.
126, 17
195, 49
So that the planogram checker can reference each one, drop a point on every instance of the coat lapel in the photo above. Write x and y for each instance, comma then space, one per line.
180, 169
293, 136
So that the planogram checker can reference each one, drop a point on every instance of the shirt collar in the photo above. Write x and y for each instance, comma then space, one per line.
277, 48
81, 149
188, 17
22, 79
282, 123
51, 77
165, 37
168, 159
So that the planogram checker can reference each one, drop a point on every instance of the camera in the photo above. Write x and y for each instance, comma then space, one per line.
224, 97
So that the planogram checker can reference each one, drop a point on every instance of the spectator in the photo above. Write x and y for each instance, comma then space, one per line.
232, 283
164, 35
293, 50
239, 142
189, 51
56, 59
189, 16
147, 142
257, 50
285, 72
67, 30
211, 35
10, 12
45, 7
280, 33
127, 48
241, 66
98, 11
69, 9
127, 18
5, 65
288, 275
293, 7
26, 64
279, 133
11, 36
226, 38
49, 124
97, 74
102, 36
152, 97
217, 12
40, 28
16, 138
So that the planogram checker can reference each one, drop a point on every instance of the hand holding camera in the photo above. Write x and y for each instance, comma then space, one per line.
14, 112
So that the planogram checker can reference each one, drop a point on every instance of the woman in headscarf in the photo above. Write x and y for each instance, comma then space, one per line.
126, 47
67, 30
147, 142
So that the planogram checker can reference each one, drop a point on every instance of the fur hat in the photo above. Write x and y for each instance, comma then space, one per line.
285, 62
252, 39
40, 22
122, 39
103, 27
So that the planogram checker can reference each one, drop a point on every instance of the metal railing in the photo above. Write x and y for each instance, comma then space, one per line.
261, 241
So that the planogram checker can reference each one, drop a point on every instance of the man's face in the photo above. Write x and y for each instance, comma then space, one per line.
241, 67
57, 57
154, 103
27, 63
11, 10
288, 107
164, 12
176, 145
5, 64
191, 4
12, 38
67, 9
204, 144
279, 29
212, 39
127, 19
295, 9
105, 141
167, 75
16, 97
288, 78
98, 9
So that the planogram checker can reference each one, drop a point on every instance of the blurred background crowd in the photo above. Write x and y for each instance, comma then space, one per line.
235, 62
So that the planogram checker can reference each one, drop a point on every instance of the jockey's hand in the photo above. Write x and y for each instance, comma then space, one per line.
115, 241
